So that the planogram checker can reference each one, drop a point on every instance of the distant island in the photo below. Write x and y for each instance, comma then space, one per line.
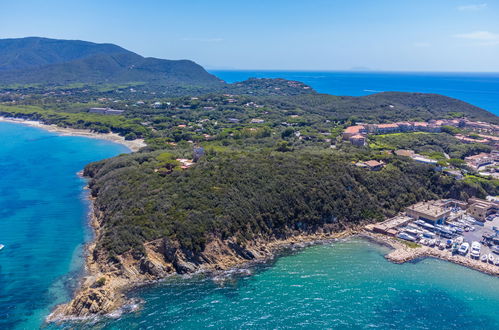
231, 172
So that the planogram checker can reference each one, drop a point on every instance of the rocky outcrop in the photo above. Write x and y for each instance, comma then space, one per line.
102, 290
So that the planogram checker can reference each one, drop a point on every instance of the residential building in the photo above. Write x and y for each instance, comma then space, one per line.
374, 165
353, 130
480, 208
106, 111
358, 140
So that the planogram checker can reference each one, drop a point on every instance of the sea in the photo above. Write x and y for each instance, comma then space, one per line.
345, 284
479, 89
43, 219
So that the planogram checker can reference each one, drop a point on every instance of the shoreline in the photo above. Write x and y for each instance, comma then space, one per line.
117, 286
132, 145
400, 253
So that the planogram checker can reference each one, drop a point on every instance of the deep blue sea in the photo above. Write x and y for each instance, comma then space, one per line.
480, 89
43, 219
342, 285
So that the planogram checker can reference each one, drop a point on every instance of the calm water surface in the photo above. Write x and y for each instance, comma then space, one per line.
42, 219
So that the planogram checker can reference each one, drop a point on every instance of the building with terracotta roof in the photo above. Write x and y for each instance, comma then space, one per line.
374, 165
353, 130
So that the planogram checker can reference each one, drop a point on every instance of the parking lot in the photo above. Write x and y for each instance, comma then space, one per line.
476, 235
459, 229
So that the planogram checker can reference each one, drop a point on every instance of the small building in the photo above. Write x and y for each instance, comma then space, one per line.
481, 209
389, 227
430, 211
424, 160
454, 173
353, 130
106, 111
358, 140
257, 121
482, 159
404, 153
374, 165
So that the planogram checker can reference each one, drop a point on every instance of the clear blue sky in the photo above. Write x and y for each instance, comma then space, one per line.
420, 35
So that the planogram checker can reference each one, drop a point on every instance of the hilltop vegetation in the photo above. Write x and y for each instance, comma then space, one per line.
243, 196
62, 62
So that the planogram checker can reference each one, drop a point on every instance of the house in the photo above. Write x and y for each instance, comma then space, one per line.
404, 153
482, 159
257, 121
353, 130
454, 173
106, 111
358, 140
387, 128
424, 160
374, 165
480, 208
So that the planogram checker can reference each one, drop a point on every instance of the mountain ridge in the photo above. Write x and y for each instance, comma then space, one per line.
57, 61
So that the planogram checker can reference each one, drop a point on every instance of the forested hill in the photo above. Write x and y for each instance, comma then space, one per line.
49, 61
244, 197
383, 107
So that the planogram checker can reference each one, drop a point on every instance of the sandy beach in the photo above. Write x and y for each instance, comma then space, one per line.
133, 145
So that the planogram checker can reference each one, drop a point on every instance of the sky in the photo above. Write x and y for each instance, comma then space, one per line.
383, 35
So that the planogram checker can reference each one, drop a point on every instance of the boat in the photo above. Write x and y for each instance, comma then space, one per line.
455, 247
463, 249
475, 249
459, 240
448, 244
442, 246
406, 237
484, 258
428, 234
412, 232
491, 258
432, 243
495, 249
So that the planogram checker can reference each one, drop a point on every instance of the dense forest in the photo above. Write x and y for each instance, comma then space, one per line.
247, 195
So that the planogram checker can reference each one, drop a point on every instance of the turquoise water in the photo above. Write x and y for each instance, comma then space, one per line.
480, 89
341, 285
42, 219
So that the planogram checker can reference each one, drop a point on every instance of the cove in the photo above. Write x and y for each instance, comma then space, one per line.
341, 285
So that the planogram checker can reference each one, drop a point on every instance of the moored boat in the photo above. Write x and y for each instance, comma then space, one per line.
463, 249
484, 258
491, 258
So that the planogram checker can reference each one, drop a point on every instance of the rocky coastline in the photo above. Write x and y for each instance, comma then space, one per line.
102, 291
